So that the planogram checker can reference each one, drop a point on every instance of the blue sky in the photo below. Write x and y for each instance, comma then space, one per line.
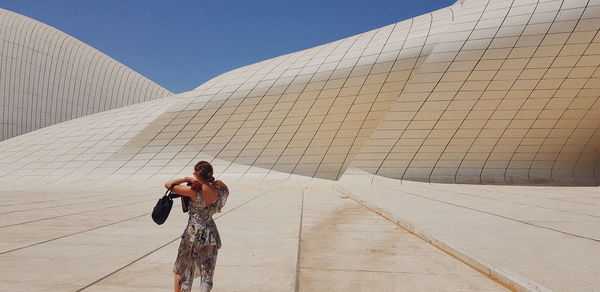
181, 44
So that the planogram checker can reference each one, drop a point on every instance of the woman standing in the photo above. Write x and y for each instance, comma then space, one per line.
200, 242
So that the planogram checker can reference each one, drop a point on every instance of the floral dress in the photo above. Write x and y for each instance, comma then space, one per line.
200, 241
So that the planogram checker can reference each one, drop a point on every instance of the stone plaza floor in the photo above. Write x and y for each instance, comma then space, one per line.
280, 235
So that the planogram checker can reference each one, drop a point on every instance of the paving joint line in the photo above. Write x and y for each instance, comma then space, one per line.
503, 277
297, 284
67, 235
496, 215
57, 206
127, 265
76, 213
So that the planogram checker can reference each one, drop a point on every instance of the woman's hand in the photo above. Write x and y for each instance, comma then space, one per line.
176, 182
191, 179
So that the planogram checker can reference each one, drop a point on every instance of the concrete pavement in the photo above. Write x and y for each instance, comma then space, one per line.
280, 235
532, 238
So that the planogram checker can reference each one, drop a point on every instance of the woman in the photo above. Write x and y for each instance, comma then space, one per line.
200, 241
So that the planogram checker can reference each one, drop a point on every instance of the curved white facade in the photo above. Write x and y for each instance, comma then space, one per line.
502, 92
510, 95
48, 77
305, 113
479, 92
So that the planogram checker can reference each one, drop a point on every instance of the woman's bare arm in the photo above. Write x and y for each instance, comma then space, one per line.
177, 181
181, 190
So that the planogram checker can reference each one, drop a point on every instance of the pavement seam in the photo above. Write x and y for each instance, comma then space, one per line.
67, 235
108, 198
46, 201
493, 214
505, 278
376, 271
517, 203
76, 213
297, 284
127, 265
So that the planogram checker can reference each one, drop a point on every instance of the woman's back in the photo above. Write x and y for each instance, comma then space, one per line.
199, 210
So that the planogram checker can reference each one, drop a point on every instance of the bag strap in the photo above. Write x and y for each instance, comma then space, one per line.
169, 190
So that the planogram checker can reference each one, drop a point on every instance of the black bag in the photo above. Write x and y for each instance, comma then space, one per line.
185, 201
162, 208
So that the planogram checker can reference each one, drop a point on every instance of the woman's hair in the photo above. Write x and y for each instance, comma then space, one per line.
205, 171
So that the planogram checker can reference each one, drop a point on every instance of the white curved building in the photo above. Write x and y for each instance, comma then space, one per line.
479, 92
49, 77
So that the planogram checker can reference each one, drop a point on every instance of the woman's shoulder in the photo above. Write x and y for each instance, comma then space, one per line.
221, 185
196, 186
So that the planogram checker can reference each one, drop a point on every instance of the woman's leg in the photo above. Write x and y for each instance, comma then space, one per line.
184, 267
208, 257
184, 276
176, 286
185, 282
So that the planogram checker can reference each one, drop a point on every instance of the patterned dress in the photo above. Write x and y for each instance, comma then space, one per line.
200, 241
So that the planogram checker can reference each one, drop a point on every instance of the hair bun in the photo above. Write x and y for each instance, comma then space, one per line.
205, 171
